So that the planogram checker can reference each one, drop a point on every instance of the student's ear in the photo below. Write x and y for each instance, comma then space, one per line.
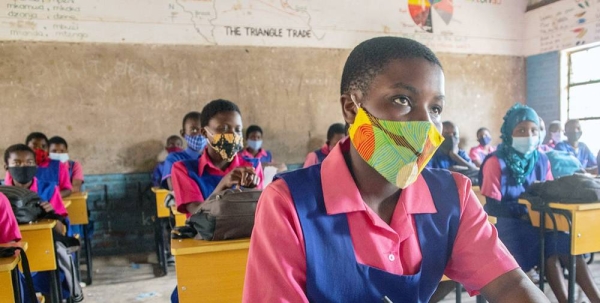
182, 133
349, 108
6, 167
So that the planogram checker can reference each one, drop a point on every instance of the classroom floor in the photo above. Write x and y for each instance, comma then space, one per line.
132, 279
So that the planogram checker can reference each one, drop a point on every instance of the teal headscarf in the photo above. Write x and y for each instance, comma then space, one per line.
519, 165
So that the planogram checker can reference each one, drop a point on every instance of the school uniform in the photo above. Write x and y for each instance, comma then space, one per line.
157, 174
315, 239
316, 156
10, 229
195, 180
50, 171
479, 152
75, 171
48, 192
583, 153
172, 158
513, 224
441, 160
263, 156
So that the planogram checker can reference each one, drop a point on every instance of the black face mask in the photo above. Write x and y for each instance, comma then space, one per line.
573, 136
22, 174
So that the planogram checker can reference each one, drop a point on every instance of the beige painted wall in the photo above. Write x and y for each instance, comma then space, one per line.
116, 104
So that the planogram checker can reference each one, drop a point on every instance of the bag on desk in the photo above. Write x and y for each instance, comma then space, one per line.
226, 215
576, 188
25, 204
27, 289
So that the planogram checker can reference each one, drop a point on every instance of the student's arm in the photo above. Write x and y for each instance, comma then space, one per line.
167, 172
188, 195
592, 164
245, 176
10, 229
276, 268
461, 159
513, 286
59, 227
64, 180
311, 159
77, 177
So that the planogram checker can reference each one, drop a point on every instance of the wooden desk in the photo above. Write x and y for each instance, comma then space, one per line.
41, 253
179, 217
78, 211
161, 210
580, 220
210, 271
9, 275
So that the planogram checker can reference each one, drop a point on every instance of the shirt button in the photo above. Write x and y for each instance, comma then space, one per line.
392, 257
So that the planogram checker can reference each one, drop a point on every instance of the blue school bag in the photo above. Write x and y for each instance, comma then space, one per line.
563, 163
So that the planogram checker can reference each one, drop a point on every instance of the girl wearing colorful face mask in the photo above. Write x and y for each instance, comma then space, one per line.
505, 175
485, 147
48, 170
59, 151
371, 223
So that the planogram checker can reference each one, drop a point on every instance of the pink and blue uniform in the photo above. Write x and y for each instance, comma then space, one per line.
10, 229
441, 160
583, 153
312, 225
172, 158
317, 156
263, 156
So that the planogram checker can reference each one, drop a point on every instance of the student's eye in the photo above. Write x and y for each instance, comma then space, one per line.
401, 101
437, 110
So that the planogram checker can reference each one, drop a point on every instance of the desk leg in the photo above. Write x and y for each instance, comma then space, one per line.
88, 255
458, 292
16, 282
479, 299
572, 274
542, 249
161, 245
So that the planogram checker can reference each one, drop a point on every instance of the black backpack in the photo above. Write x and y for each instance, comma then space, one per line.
25, 203
576, 188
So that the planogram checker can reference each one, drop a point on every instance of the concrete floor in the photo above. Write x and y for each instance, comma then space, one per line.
132, 279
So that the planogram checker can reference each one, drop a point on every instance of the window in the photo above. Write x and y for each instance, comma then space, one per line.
583, 93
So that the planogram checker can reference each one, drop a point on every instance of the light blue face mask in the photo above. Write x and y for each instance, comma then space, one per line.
254, 144
525, 145
197, 142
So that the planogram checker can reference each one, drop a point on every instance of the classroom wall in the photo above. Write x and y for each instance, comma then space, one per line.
116, 104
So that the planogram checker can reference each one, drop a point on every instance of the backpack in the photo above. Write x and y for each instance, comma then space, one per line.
223, 216
574, 189
563, 163
27, 289
25, 203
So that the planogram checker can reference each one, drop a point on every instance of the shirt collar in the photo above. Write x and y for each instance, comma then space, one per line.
205, 163
342, 196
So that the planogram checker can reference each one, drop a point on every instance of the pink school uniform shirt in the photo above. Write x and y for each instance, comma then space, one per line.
261, 153
77, 171
277, 253
9, 229
187, 190
479, 153
64, 180
312, 159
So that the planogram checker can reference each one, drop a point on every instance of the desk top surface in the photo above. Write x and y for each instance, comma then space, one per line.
67, 203
37, 225
159, 190
77, 195
193, 246
569, 206
9, 263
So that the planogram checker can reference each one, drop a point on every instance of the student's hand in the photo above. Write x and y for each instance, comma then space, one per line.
47, 207
241, 176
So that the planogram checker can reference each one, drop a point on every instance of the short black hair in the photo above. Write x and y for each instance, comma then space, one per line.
58, 140
189, 116
571, 121
253, 128
16, 148
482, 129
370, 57
215, 107
35, 135
174, 137
334, 129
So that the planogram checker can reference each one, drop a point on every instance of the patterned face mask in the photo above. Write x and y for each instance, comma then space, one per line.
227, 145
397, 150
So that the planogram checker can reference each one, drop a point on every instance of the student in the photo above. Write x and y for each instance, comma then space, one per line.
554, 134
479, 152
59, 151
21, 171
449, 156
335, 133
220, 167
363, 225
543, 147
10, 229
254, 150
174, 144
578, 149
48, 170
196, 143
505, 175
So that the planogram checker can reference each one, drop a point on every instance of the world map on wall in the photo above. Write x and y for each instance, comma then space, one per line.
421, 12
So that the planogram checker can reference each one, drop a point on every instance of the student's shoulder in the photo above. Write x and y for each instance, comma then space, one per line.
176, 156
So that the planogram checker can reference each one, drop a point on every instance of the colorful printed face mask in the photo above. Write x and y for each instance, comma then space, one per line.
397, 150
227, 145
